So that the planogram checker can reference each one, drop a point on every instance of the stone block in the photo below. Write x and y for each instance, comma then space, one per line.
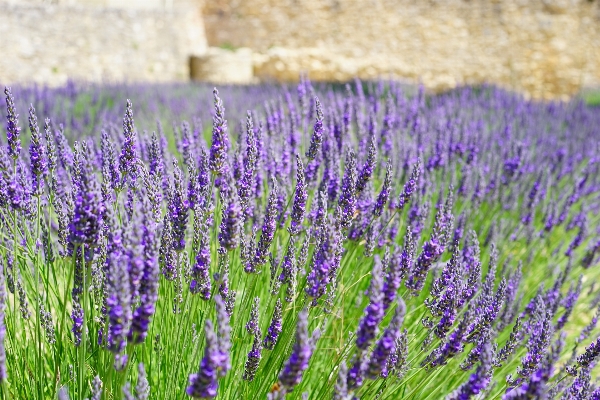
223, 66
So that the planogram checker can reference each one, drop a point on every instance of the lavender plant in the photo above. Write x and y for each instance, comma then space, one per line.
278, 242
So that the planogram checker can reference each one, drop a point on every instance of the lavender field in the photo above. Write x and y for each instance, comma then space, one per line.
317, 241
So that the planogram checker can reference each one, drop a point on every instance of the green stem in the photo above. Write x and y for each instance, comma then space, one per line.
38, 331
82, 346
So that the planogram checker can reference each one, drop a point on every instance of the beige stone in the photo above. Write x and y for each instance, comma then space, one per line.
546, 48
223, 66
50, 43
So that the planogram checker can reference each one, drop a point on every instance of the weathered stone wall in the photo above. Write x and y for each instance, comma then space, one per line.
49, 43
546, 48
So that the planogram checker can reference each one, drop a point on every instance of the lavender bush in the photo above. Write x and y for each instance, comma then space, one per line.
375, 242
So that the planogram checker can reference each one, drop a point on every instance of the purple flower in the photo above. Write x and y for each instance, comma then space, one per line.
324, 263
274, 328
384, 194
148, 288
39, 164
128, 151
347, 200
253, 360
479, 380
250, 161
317, 136
373, 314
568, 303
85, 227
252, 326
300, 197
397, 269
410, 186
220, 140
368, 167
178, 209
119, 308
432, 250
231, 224
386, 345
301, 353
12, 126
200, 282
204, 383
268, 233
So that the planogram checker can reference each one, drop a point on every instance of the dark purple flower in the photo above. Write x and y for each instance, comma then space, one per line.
301, 353
432, 250
220, 139
347, 200
253, 360
568, 303
37, 152
148, 288
384, 194
368, 167
397, 269
128, 151
119, 307
324, 263
178, 209
410, 186
204, 383
268, 233
231, 224
386, 344
200, 282
274, 328
86, 225
479, 380
317, 136
12, 126
252, 326
250, 161
300, 197
373, 314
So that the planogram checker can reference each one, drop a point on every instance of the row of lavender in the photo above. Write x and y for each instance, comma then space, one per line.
364, 241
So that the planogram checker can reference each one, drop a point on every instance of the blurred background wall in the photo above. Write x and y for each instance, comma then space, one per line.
98, 40
544, 48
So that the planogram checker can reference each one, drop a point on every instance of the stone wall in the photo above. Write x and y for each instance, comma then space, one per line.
545, 48
46, 42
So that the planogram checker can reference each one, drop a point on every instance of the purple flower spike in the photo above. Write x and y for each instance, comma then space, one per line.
301, 353
128, 152
85, 228
220, 140
384, 194
39, 163
317, 137
253, 360
204, 384
178, 209
300, 197
274, 328
368, 167
231, 224
347, 200
479, 380
386, 345
200, 282
410, 186
373, 314
148, 285
267, 235
12, 126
